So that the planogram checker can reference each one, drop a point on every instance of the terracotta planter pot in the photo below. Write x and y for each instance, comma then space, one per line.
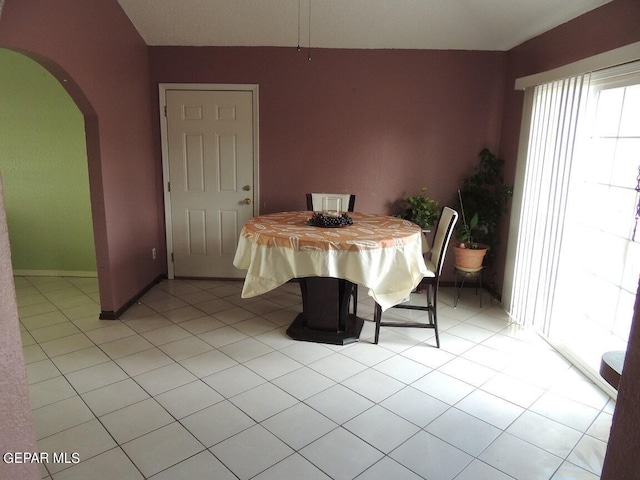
470, 259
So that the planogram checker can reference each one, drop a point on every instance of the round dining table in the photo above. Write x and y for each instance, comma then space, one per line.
384, 254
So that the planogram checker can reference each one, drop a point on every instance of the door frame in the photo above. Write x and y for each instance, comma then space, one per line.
163, 88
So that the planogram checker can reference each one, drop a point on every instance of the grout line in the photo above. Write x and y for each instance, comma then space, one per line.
341, 351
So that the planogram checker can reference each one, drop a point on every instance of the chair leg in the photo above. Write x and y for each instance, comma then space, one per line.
377, 317
432, 297
429, 303
435, 315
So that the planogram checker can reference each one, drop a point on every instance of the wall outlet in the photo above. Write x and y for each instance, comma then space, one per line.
154, 254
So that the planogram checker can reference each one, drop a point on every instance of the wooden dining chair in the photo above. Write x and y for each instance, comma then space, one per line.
315, 200
315, 204
448, 218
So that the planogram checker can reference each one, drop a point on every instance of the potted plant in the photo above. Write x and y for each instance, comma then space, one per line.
468, 253
484, 196
421, 210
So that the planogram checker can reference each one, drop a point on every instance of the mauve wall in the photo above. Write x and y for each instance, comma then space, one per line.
96, 47
378, 123
622, 460
16, 422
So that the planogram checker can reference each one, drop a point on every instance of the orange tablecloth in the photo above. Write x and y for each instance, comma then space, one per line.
379, 252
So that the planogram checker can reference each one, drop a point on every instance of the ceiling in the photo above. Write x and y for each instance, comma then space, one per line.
401, 24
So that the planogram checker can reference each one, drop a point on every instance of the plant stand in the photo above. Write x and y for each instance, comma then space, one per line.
461, 277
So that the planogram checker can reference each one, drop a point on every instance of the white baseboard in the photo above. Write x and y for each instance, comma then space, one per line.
587, 370
54, 273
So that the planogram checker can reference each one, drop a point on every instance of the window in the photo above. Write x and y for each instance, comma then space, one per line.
575, 265
599, 260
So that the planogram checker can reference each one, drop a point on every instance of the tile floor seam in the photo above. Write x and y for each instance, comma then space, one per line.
368, 367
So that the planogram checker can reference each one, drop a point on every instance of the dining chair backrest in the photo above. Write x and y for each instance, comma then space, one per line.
315, 201
444, 230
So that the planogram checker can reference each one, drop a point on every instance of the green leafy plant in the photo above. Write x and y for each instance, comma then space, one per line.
420, 209
465, 231
484, 195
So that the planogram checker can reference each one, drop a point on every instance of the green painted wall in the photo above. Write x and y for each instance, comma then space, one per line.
43, 163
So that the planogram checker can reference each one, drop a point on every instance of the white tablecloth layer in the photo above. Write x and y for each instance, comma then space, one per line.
387, 258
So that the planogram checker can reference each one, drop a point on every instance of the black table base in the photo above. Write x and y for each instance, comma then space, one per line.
325, 316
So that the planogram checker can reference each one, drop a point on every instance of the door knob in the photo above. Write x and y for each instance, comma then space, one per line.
246, 188
247, 201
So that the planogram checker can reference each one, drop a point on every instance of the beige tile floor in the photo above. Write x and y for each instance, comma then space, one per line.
196, 383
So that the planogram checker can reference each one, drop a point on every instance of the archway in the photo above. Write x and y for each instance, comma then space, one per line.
48, 183
44, 166
65, 183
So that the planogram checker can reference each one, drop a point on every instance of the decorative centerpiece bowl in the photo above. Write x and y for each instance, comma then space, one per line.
328, 220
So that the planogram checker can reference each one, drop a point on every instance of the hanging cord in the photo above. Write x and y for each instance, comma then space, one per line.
635, 227
309, 55
299, 25
464, 220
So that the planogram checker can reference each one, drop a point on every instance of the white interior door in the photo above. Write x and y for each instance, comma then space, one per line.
210, 149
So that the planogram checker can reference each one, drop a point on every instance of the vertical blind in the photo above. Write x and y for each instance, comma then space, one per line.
555, 118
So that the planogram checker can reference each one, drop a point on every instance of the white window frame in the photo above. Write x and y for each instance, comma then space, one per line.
616, 63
